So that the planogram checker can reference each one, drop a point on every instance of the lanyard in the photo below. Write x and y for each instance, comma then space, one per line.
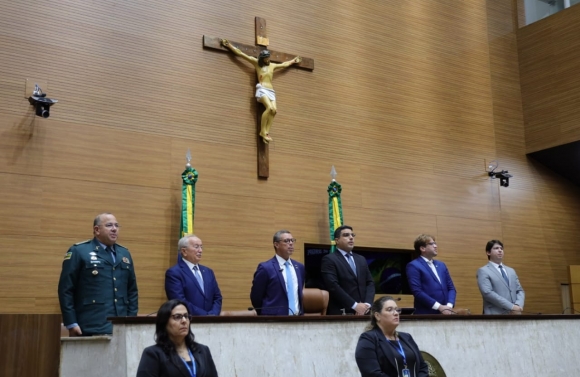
191, 372
400, 350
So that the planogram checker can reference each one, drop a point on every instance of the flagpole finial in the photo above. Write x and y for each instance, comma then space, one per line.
188, 158
333, 173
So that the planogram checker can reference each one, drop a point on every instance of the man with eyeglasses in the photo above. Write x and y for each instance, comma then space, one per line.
278, 282
429, 279
97, 281
347, 277
192, 283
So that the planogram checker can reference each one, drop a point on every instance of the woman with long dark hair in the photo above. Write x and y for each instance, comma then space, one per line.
382, 351
175, 354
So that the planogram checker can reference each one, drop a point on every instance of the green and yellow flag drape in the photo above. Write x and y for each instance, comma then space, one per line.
189, 177
334, 210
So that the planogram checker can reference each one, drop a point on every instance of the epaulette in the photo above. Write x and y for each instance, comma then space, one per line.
83, 242
118, 244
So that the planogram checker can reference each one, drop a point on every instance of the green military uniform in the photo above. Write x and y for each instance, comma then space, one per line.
92, 287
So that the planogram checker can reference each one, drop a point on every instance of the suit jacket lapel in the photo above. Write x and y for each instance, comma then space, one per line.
200, 362
345, 264
498, 274
102, 253
188, 273
179, 364
299, 278
430, 271
385, 347
276, 267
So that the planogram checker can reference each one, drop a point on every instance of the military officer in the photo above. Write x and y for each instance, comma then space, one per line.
97, 281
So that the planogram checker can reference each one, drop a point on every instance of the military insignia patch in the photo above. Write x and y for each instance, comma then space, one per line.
126, 260
68, 255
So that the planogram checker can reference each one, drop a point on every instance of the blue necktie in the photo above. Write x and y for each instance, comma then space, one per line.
197, 275
290, 289
504, 275
351, 262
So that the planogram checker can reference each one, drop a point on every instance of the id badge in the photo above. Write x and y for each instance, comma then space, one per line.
406, 372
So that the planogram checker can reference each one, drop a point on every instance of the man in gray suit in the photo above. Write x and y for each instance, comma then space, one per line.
499, 284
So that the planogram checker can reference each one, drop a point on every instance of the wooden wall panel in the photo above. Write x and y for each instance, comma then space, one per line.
550, 80
30, 345
408, 100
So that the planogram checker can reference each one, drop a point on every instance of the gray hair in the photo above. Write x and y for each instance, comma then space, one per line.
279, 234
183, 242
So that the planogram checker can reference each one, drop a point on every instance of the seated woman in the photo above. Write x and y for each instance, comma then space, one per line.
382, 351
176, 353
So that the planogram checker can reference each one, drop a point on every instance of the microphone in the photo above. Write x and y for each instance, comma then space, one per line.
150, 314
273, 307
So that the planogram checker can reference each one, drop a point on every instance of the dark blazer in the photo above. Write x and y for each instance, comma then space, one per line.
343, 286
182, 285
92, 287
155, 363
268, 294
376, 358
426, 288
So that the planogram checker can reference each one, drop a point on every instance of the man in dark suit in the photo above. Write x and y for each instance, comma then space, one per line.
278, 282
429, 280
97, 281
191, 282
499, 284
347, 277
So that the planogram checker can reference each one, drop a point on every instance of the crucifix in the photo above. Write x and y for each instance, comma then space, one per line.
260, 57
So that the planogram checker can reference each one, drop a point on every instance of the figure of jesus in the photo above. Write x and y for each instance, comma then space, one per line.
265, 93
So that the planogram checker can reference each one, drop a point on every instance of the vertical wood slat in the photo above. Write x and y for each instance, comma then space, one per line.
408, 101
29, 345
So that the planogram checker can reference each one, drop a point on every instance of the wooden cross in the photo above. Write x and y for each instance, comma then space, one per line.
262, 42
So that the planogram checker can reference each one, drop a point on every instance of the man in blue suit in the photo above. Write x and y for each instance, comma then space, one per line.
429, 280
191, 282
278, 282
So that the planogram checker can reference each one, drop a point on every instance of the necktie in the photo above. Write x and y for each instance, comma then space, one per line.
507, 281
197, 275
110, 250
290, 289
351, 262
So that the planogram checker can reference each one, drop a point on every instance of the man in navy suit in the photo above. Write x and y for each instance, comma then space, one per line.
191, 282
429, 280
347, 277
278, 282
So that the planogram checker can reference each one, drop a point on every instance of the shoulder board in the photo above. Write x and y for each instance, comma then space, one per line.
118, 244
83, 242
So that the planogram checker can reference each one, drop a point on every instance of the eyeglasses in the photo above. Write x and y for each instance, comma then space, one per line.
432, 243
392, 310
288, 240
347, 235
179, 317
111, 225
197, 247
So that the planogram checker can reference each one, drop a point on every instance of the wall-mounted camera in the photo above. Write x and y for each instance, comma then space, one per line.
504, 176
41, 102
